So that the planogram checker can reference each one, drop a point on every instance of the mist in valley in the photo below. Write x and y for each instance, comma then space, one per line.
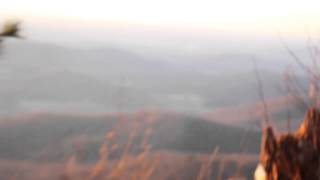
61, 88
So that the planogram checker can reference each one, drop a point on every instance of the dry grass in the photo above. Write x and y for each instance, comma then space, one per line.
162, 165
141, 163
134, 160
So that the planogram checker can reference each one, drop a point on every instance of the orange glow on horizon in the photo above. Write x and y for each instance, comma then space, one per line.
252, 16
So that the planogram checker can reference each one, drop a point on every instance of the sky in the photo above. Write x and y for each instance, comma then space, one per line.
256, 17
201, 13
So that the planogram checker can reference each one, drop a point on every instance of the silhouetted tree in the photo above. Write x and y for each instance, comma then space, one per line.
11, 29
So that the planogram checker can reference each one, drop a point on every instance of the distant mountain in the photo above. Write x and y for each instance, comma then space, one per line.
54, 136
280, 110
44, 77
40, 57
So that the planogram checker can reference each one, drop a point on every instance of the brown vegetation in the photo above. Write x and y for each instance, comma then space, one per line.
165, 165
10, 29
135, 159
293, 156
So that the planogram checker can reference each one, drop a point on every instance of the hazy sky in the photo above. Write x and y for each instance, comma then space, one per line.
242, 15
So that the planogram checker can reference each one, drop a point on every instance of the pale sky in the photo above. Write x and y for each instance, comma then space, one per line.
258, 16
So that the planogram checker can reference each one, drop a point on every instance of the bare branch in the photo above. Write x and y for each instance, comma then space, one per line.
261, 92
296, 58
